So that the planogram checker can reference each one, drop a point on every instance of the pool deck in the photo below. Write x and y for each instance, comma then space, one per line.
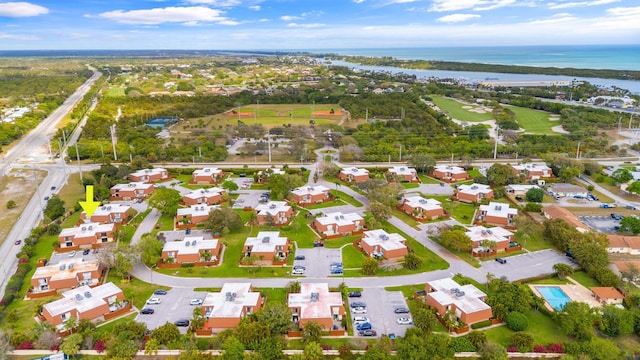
575, 291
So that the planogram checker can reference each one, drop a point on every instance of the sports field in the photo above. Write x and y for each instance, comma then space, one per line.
534, 121
461, 111
115, 91
272, 115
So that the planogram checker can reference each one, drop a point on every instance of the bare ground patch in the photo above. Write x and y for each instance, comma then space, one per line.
18, 186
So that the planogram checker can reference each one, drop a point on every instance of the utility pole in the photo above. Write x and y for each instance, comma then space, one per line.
113, 141
400, 156
578, 150
64, 163
495, 147
78, 157
269, 144
35, 178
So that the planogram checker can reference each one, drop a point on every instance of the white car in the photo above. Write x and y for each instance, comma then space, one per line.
298, 271
359, 310
195, 302
72, 254
153, 301
404, 321
360, 319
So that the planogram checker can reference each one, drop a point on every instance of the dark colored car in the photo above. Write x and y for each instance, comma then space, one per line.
299, 257
501, 260
181, 322
86, 252
160, 292
356, 304
363, 326
18, 242
355, 294
401, 310
147, 311
367, 333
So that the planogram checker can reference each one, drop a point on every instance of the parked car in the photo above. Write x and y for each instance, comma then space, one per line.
364, 326
160, 292
631, 207
18, 242
360, 319
153, 301
355, 294
367, 333
298, 271
299, 267
46, 198
404, 321
147, 311
195, 302
181, 322
86, 251
401, 310
72, 254
359, 310
607, 206
501, 260
299, 257
358, 304
53, 188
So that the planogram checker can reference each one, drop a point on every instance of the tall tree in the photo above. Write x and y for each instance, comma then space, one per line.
221, 218
150, 249
456, 239
576, 319
166, 201
501, 174
422, 162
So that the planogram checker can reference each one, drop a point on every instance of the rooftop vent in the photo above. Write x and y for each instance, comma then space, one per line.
103, 207
498, 208
337, 217
423, 201
84, 228
474, 187
341, 216
108, 207
63, 266
207, 170
384, 237
266, 239
201, 191
483, 232
193, 243
90, 227
70, 266
87, 294
230, 296
79, 297
315, 297
272, 206
489, 232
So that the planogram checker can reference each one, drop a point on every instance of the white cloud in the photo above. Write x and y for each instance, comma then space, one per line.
21, 9
495, 5
391, 2
453, 18
555, 6
306, 26
18, 37
453, 5
218, 3
165, 15
290, 18
264, 20
254, 7
557, 18
359, 1
229, 22
625, 11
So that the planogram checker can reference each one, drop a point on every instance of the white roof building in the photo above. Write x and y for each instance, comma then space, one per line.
310, 190
450, 169
113, 208
403, 171
418, 202
500, 210
474, 189
196, 210
273, 208
199, 193
132, 186
384, 240
354, 171
339, 218
470, 302
190, 245
83, 298
207, 172
477, 234
266, 242
230, 301
516, 188
315, 301
86, 230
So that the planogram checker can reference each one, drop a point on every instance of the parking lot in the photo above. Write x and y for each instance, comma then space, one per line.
173, 306
527, 265
248, 198
601, 223
318, 261
380, 305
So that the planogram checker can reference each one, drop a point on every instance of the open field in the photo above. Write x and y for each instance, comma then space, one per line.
460, 111
533, 121
19, 186
115, 91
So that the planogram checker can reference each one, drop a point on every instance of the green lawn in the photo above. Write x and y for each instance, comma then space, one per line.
338, 202
339, 242
346, 197
462, 212
533, 121
274, 295
408, 185
405, 218
544, 330
352, 258
428, 180
456, 110
407, 290
584, 279
115, 92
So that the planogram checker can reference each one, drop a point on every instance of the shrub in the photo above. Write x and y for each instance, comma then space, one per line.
522, 341
481, 324
556, 348
187, 265
512, 349
532, 207
539, 349
25, 345
462, 344
517, 321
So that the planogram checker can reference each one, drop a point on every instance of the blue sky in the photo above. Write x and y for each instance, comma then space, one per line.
313, 24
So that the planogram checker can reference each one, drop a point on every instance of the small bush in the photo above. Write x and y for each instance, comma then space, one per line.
556, 348
517, 321
539, 349
187, 265
462, 344
532, 207
481, 324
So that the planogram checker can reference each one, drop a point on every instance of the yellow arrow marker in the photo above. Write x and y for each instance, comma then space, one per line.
89, 206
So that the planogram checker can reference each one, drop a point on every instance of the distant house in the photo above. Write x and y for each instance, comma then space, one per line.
192, 249
267, 245
519, 190
209, 196
403, 174
353, 174
308, 195
498, 214
83, 303
207, 176
131, 191
533, 171
67, 274
473, 193
607, 295
421, 208
274, 212
450, 173
338, 224
117, 214
149, 175
467, 302
86, 236
623, 244
557, 212
316, 303
225, 309
195, 214
264, 176
380, 244
568, 190
479, 234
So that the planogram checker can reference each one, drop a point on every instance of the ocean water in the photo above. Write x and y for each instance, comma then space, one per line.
615, 57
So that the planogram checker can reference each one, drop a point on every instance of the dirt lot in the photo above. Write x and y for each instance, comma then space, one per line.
19, 186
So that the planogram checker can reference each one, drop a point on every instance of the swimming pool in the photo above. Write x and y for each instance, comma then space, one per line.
554, 296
